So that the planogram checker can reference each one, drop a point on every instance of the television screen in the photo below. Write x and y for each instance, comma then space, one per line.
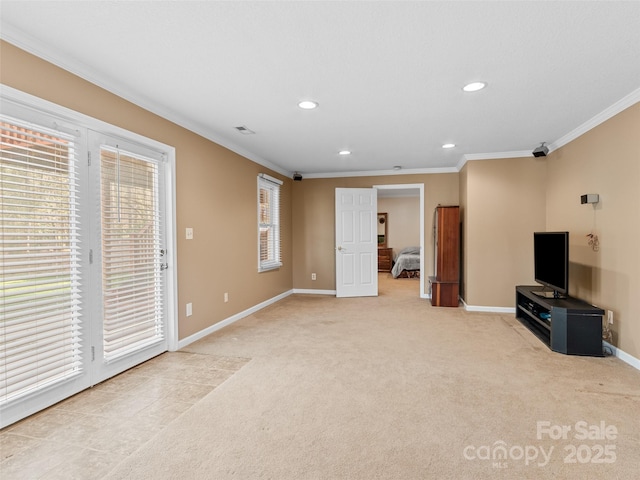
551, 260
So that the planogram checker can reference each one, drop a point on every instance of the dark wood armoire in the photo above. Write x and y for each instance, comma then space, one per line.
445, 284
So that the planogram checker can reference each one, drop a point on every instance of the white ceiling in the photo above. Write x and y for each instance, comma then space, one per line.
387, 75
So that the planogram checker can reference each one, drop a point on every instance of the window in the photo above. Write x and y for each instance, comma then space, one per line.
269, 257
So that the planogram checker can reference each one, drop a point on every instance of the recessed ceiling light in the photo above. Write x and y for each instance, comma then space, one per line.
344, 152
448, 145
397, 167
308, 104
474, 87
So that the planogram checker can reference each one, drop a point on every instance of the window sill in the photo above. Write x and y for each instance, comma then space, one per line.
267, 268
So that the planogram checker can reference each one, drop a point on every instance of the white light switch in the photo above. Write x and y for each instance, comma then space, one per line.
189, 309
189, 233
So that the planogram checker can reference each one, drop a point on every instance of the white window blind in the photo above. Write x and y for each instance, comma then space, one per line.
269, 255
131, 253
40, 334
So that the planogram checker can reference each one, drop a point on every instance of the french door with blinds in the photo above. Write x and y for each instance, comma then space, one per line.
129, 259
82, 259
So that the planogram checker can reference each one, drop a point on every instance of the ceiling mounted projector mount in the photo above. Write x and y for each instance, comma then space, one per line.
541, 151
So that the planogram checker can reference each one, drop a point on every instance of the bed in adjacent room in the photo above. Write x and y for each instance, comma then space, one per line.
407, 263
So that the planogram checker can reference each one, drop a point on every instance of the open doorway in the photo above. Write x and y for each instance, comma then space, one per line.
404, 233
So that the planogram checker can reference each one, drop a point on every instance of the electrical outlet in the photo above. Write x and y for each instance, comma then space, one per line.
226, 297
189, 233
189, 309
313, 276
610, 317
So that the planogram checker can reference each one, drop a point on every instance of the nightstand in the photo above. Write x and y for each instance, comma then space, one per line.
385, 257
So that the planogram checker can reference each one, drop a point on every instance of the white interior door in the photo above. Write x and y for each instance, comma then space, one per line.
356, 242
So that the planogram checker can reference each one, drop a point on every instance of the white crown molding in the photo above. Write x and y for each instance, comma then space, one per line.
461, 163
619, 106
496, 155
378, 173
26, 42
29, 44
491, 156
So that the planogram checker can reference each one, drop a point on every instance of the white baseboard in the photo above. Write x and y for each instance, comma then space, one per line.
310, 291
622, 355
479, 308
228, 321
306, 291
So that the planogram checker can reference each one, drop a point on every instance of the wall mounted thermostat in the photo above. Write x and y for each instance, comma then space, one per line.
589, 198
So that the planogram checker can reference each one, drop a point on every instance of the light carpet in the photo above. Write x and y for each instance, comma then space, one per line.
389, 387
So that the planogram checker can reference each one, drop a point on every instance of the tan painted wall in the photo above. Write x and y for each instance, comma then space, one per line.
314, 220
606, 161
215, 195
504, 201
403, 221
503, 204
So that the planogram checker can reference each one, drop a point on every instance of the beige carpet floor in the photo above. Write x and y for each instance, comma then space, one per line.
392, 388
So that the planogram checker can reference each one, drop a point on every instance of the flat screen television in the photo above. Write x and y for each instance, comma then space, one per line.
551, 263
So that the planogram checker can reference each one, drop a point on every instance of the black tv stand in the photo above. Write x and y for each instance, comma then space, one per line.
548, 294
566, 325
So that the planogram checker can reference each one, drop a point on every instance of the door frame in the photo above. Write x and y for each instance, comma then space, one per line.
420, 187
170, 210
102, 369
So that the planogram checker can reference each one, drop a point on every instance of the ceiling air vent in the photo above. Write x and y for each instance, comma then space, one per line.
244, 130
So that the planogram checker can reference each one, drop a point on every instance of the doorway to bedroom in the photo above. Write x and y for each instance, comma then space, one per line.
401, 239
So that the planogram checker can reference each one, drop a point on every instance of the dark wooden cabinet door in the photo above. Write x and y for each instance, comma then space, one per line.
446, 282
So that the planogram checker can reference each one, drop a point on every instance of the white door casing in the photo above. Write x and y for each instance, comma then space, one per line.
356, 242
410, 187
